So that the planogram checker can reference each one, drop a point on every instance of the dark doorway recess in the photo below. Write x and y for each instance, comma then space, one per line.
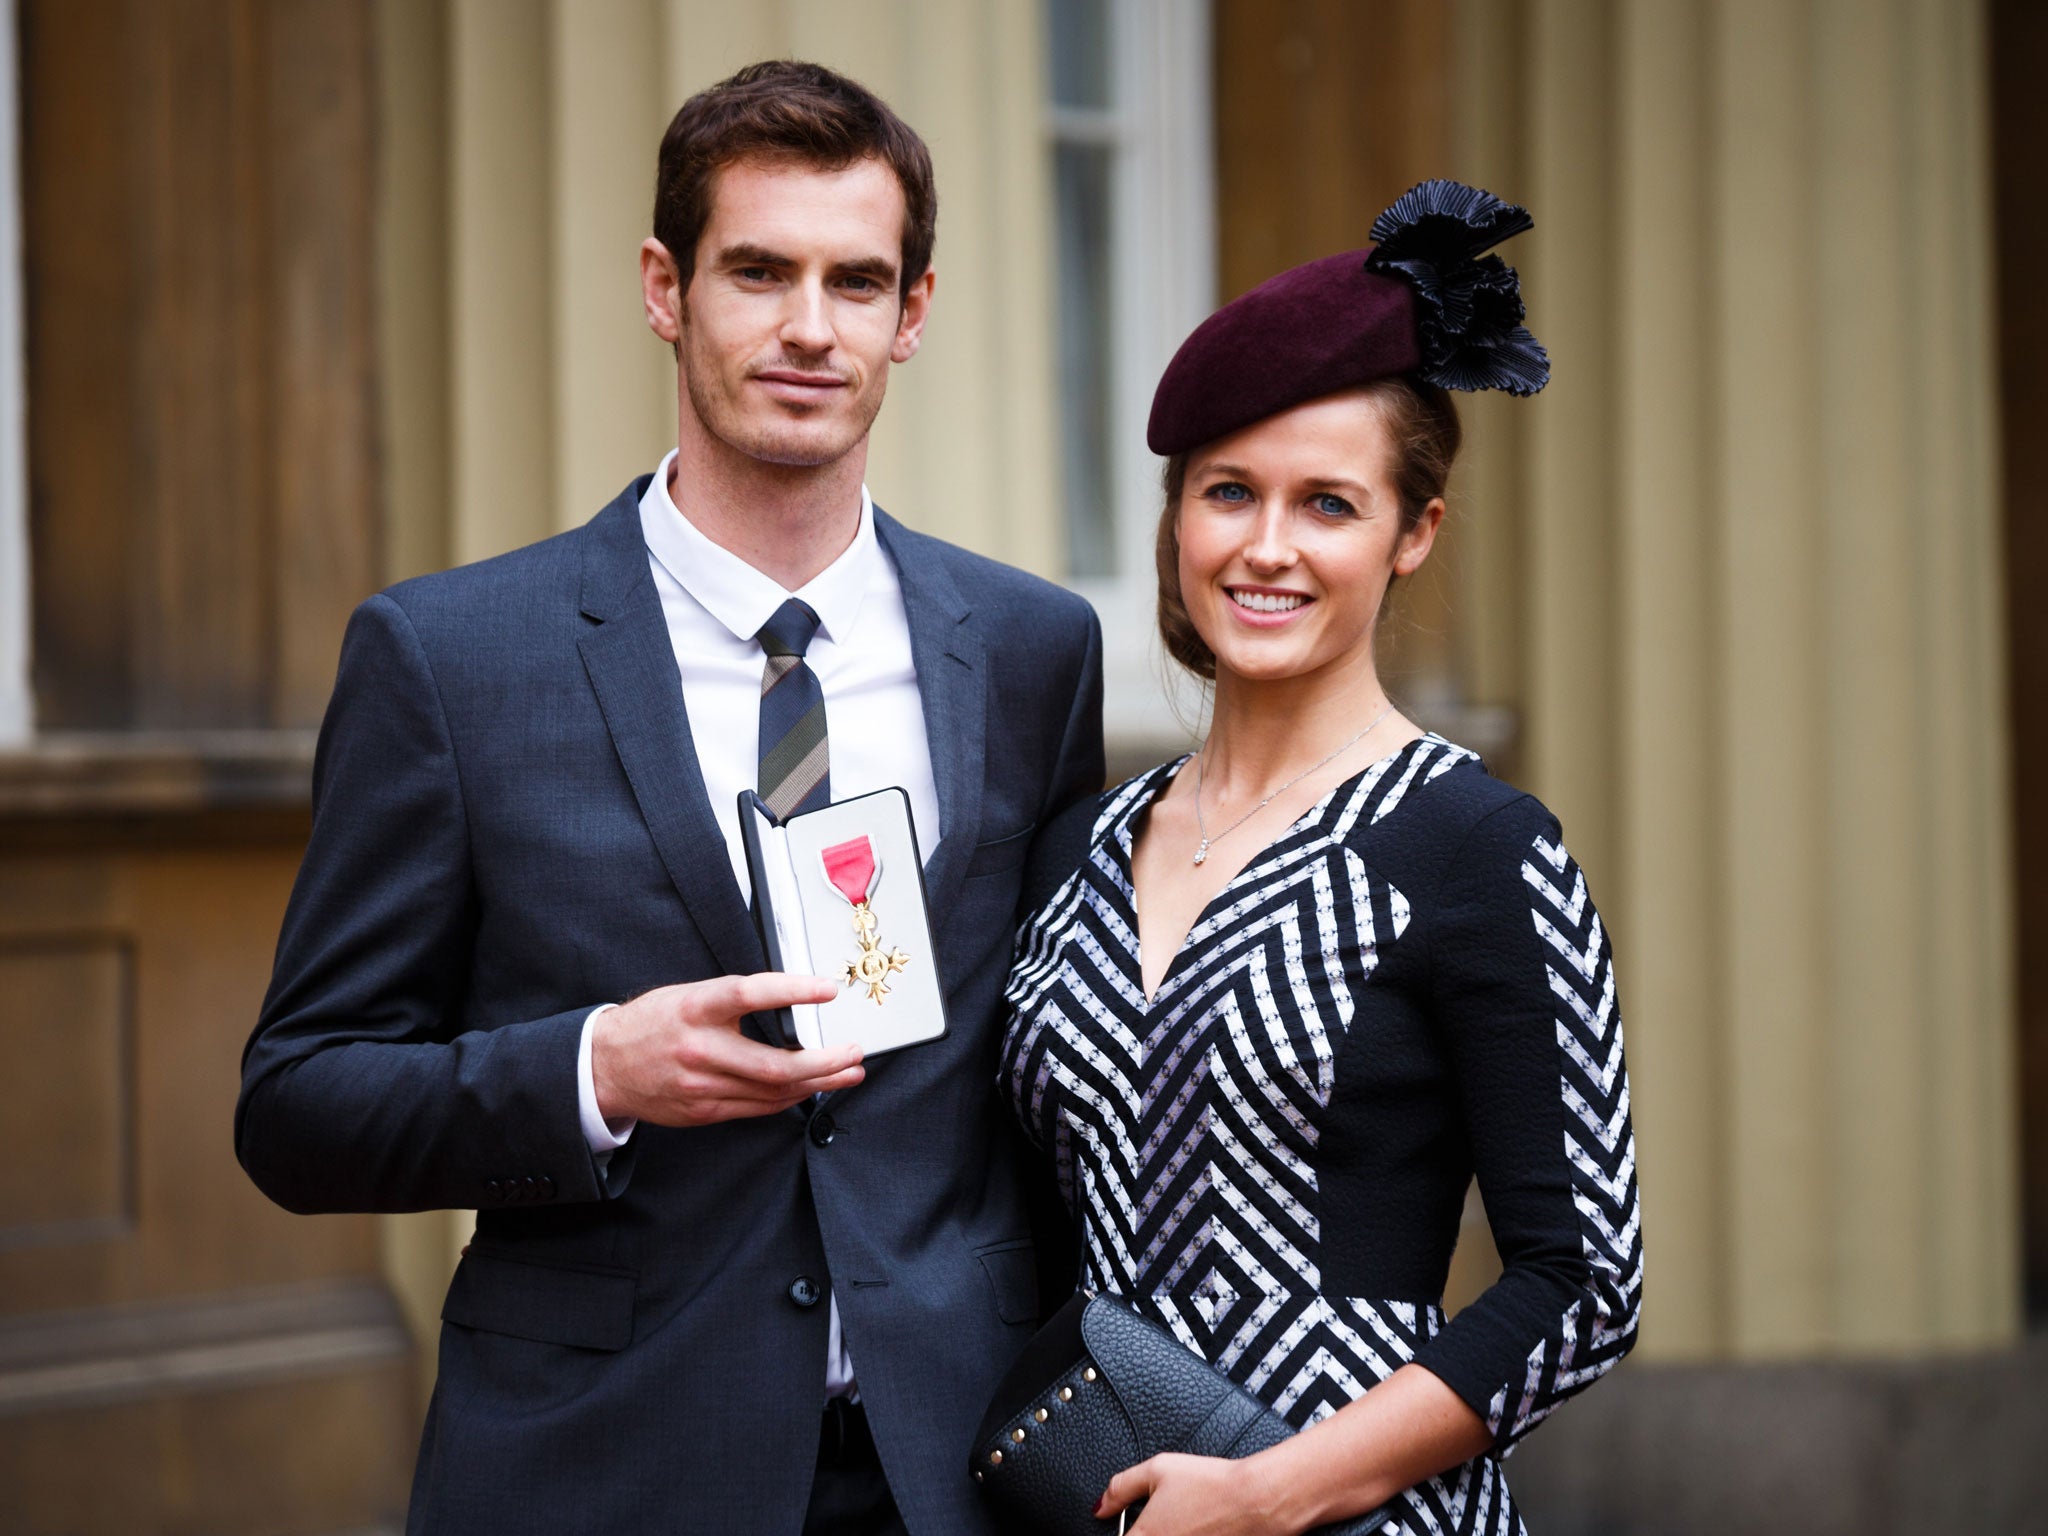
2019, 55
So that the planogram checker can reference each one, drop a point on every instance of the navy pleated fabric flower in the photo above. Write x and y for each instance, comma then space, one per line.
1469, 311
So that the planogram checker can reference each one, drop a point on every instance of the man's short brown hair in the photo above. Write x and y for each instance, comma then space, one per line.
785, 110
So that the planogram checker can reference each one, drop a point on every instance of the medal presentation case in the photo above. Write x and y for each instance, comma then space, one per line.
839, 892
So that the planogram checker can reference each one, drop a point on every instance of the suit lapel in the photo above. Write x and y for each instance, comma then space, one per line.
632, 667
953, 687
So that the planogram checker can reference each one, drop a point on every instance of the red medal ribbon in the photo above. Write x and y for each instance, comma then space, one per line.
850, 866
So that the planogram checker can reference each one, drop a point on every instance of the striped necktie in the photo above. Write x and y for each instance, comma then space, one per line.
794, 773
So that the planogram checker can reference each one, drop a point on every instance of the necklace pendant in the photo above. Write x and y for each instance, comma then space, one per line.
1202, 852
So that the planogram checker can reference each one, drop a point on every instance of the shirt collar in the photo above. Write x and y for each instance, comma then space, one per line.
736, 594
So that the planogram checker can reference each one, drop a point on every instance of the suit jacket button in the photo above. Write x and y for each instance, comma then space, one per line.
803, 1290
823, 1128
547, 1187
494, 1189
529, 1188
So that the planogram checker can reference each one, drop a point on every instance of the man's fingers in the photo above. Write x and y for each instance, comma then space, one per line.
780, 1093
723, 999
706, 1111
713, 1111
851, 1077
768, 1068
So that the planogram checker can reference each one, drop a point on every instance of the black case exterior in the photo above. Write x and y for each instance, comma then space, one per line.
1100, 1389
773, 1026
777, 1026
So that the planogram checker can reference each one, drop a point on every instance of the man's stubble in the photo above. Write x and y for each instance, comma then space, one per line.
782, 442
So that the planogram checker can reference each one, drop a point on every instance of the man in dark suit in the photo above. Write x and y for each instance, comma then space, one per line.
714, 1286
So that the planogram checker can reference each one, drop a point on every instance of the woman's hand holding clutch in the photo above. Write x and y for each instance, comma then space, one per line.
1200, 1496
1409, 1427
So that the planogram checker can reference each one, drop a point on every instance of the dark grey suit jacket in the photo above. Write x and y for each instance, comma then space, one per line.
509, 829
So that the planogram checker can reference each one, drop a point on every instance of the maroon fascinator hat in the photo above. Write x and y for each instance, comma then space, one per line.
1422, 301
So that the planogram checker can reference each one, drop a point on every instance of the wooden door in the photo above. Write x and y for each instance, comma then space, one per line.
176, 1354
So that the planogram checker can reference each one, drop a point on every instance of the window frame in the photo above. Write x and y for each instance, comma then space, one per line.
1163, 276
17, 693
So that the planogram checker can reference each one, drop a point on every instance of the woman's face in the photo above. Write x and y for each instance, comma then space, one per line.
1289, 533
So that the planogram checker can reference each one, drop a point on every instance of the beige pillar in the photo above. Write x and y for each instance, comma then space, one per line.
1666, 675
615, 381
503, 383
1753, 632
412, 283
1486, 147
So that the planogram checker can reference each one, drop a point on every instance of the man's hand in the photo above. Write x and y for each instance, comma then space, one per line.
675, 1056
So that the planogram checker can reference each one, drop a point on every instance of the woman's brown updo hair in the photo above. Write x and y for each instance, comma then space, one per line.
1421, 420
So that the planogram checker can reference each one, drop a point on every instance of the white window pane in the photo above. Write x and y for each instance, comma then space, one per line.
1082, 177
1080, 31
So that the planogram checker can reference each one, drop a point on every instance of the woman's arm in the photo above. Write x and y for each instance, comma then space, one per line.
1522, 977
1408, 1428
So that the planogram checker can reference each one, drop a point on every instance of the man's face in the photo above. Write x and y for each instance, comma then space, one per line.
793, 315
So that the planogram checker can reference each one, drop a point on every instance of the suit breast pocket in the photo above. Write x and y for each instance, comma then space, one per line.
999, 854
583, 1306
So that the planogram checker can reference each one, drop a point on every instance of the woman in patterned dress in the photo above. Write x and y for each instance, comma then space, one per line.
1310, 979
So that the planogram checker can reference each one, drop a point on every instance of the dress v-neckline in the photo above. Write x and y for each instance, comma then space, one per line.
1127, 838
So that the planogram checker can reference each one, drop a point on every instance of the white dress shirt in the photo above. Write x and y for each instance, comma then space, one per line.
715, 604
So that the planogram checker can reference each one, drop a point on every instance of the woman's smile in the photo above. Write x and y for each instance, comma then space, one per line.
1266, 607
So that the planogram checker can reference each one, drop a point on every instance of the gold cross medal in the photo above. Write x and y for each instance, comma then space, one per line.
852, 870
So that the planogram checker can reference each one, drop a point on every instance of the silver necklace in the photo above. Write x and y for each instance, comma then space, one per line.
1202, 825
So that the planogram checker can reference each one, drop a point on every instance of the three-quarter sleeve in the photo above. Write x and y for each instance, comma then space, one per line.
1522, 986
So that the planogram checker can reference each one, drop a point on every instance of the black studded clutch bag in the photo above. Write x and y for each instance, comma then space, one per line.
1099, 1389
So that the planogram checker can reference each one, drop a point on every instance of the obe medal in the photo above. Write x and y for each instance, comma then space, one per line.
852, 870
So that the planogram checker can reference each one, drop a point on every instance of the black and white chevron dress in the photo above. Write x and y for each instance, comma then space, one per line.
1408, 987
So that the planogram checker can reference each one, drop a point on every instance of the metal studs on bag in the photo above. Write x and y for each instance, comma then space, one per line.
1043, 1412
